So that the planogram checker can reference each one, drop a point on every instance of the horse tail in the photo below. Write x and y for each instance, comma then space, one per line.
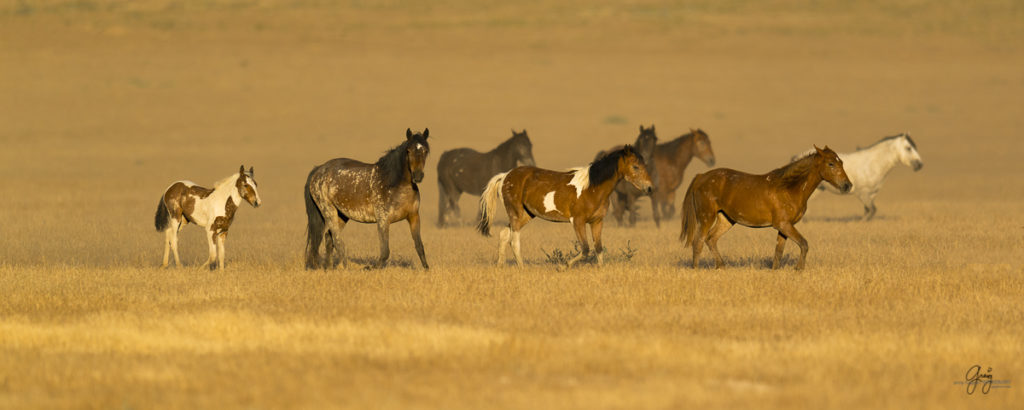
489, 203
163, 217
689, 214
315, 227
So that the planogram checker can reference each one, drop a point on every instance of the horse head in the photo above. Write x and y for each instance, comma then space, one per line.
830, 168
702, 146
416, 150
645, 143
906, 150
522, 148
631, 167
246, 186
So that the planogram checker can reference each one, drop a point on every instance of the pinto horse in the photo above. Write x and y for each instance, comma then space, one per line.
213, 209
578, 196
466, 170
722, 197
671, 160
868, 167
384, 192
625, 193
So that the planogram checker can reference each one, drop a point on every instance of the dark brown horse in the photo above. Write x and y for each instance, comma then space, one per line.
625, 193
722, 197
466, 170
385, 192
578, 196
671, 160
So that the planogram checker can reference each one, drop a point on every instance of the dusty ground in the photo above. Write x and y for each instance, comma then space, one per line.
103, 104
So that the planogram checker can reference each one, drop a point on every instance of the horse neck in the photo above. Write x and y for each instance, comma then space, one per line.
226, 189
881, 158
503, 156
807, 187
603, 190
684, 153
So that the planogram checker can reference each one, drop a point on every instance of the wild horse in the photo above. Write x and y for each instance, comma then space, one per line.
384, 192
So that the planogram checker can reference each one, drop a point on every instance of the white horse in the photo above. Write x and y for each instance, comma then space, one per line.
868, 167
213, 209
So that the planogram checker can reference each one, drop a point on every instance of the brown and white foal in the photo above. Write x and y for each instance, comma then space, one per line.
578, 196
213, 209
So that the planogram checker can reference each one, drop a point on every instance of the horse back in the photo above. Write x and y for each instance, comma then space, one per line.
748, 199
181, 197
467, 170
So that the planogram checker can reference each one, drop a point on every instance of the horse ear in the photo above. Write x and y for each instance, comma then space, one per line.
641, 128
241, 169
426, 133
408, 133
652, 128
819, 149
251, 172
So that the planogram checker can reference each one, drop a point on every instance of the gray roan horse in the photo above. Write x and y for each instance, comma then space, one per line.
625, 193
385, 192
466, 170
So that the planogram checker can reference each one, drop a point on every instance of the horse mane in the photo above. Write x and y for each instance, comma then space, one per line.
511, 140
604, 168
795, 172
674, 144
392, 164
230, 179
890, 138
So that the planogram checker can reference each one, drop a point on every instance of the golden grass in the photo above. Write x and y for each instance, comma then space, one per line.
107, 103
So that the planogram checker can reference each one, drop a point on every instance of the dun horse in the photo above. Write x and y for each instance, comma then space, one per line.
466, 170
384, 192
578, 196
671, 160
868, 167
213, 209
722, 197
625, 193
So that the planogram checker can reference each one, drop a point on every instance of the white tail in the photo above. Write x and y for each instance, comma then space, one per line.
489, 203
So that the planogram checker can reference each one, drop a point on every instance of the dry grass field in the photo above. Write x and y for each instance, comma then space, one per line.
104, 103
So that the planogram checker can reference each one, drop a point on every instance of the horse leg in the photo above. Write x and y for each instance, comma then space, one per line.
869, 207
211, 237
786, 228
655, 213
630, 201
384, 231
722, 226
704, 222
503, 241
618, 207
668, 208
580, 226
595, 231
335, 225
220, 250
780, 246
414, 228
171, 241
175, 227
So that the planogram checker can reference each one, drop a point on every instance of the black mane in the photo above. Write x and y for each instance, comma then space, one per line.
394, 163
604, 168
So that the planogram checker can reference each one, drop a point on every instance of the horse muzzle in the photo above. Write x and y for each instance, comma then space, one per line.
918, 165
528, 162
417, 176
649, 190
711, 162
846, 186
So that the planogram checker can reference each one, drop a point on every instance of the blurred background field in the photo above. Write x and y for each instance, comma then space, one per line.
104, 104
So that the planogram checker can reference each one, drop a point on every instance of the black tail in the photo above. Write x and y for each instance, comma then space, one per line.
163, 218
314, 228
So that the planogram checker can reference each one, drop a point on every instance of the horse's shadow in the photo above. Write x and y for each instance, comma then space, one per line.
850, 219
370, 263
750, 262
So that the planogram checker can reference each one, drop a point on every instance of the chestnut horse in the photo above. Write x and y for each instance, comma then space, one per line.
671, 160
385, 192
213, 209
625, 194
466, 170
578, 196
722, 197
